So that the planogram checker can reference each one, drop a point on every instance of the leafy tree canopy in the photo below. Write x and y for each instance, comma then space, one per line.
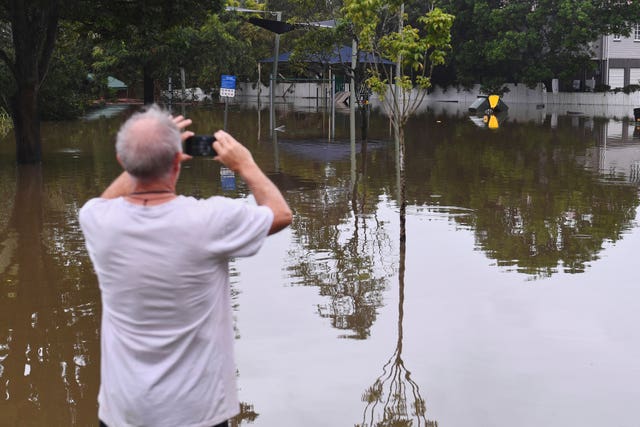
498, 41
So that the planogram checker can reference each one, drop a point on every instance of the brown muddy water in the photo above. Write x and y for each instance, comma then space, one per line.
514, 301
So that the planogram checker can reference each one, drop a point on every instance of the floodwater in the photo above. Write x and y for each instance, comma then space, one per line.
513, 301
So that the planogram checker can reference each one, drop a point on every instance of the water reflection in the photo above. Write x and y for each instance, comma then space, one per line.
540, 197
341, 247
616, 154
536, 207
48, 332
394, 399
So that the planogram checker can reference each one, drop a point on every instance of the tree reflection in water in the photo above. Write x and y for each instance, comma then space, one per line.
48, 331
247, 413
348, 263
536, 208
394, 399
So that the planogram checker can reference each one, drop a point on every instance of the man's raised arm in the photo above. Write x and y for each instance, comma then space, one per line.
238, 158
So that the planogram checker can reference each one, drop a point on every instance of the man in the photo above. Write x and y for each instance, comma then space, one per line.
162, 265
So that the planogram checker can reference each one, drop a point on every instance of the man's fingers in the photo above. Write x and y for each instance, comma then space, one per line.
181, 122
186, 134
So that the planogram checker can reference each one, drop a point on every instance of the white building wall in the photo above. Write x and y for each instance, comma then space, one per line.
624, 48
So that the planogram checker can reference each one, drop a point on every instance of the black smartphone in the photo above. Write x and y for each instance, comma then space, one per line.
200, 145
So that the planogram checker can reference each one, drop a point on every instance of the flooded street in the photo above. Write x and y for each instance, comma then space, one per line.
513, 301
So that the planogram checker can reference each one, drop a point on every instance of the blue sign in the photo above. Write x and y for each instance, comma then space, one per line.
228, 82
227, 179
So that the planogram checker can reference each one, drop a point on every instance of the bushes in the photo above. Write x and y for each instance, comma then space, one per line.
5, 122
627, 89
601, 88
630, 88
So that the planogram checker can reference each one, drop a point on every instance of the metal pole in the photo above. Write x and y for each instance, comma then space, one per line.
277, 48
333, 107
226, 108
352, 110
274, 76
271, 119
352, 94
329, 104
259, 94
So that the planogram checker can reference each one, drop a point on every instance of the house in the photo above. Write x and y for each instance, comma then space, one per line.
118, 87
618, 59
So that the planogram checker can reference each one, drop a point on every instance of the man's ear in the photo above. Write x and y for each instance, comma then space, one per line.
176, 161
119, 160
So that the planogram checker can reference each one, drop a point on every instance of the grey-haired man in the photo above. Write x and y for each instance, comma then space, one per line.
162, 266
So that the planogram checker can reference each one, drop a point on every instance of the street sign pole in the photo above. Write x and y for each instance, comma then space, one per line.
227, 90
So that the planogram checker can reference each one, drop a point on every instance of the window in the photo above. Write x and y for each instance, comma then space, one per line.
636, 32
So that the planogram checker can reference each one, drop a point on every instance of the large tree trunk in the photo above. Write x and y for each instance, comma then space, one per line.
34, 26
26, 121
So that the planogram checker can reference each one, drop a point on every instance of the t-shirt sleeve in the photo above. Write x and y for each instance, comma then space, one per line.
86, 215
241, 227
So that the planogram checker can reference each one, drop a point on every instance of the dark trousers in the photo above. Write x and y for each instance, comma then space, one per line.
222, 424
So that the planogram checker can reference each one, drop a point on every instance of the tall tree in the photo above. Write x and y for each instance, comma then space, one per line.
495, 42
138, 30
380, 28
138, 34
34, 25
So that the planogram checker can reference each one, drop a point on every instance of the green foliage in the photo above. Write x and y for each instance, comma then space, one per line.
495, 42
494, 88
66, 91
7, 86
154, 37
602, 88
365, 16
316, 43
631, 88
5, 122
379, 28
378, 85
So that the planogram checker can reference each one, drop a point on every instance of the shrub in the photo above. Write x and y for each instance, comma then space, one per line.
630, 88
601, 88
6, 124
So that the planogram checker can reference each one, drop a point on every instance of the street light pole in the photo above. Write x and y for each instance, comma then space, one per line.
276, 53
274, 81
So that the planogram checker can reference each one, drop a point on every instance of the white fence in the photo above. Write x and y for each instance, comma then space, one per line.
518, 93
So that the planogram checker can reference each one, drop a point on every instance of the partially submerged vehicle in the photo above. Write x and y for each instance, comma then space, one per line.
488, 105
489, 111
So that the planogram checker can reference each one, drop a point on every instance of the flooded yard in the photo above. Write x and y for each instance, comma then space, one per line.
513, 301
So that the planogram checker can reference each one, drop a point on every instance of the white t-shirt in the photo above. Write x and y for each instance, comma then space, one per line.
167, 334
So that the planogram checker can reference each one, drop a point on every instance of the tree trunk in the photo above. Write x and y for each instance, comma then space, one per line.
26, 121
34, 27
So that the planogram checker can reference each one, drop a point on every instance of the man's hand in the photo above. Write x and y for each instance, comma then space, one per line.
231, 153
237, 157
182, 123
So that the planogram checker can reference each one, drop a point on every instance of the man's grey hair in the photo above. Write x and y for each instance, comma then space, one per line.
147, 144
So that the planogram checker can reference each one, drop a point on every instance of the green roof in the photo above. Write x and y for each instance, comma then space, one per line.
114, 83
